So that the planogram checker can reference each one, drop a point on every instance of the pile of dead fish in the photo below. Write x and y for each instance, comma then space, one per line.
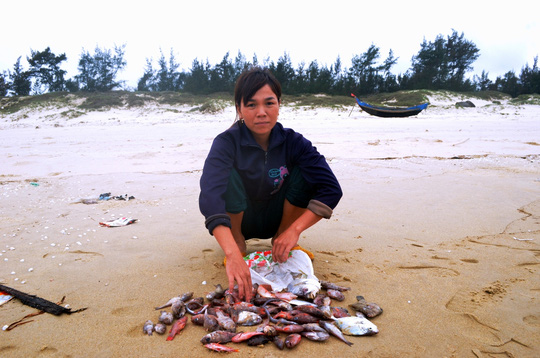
275, 313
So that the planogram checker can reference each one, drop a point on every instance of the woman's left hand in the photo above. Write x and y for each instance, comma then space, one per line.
283, 244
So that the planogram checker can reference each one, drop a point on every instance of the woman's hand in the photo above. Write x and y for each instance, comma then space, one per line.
238, 271
283, 244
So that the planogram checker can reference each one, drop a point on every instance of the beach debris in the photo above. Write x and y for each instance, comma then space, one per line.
4, 297
118, 222
38, 302
370, 310
356, 326
220, 348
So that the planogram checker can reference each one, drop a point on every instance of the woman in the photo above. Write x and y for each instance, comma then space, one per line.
261, 180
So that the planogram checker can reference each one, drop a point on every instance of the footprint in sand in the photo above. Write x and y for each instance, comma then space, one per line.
532, 320
470, 261
439, 270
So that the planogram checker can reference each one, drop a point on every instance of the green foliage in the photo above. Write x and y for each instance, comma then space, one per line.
20, 80
45, 69
4, 84
98, 72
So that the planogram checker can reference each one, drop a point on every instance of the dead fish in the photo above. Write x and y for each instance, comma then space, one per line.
178, 309
356, 326
210, 322
318, 336
333, 330
279, 342
332, 286
198, 319
263, 292
327, 311
290, 328
258, 340
166, 318
186, 296
285, 296
303, 286
338, 312
370, 310
148, 327
244, 336
292, 340
322, 300
313, 327
246, 318
218, 337
160, 328
225, 322
336, 295
170, 302
218, 293
177, 327
219, 347
270, 331
312, 310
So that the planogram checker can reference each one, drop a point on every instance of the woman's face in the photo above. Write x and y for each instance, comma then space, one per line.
260, 114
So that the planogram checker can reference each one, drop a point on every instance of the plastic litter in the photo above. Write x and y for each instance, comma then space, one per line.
118, 222
264, 270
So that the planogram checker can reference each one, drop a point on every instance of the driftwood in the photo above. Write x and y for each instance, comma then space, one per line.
38, 302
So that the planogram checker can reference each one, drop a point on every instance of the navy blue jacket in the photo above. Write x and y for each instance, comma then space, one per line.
261, 171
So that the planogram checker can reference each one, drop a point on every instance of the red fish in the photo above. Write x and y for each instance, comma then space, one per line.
291, 328
177, 327
220, 347
292, 340
244, 336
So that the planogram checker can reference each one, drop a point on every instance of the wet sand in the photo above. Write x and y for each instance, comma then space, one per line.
439, 225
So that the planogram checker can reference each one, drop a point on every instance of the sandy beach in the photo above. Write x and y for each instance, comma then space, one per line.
439, 224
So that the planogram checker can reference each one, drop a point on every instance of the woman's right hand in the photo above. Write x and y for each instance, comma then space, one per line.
238, 271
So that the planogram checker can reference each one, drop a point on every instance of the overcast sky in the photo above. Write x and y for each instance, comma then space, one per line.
507, 33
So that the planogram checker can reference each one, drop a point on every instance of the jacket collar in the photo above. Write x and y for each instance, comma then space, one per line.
277, 136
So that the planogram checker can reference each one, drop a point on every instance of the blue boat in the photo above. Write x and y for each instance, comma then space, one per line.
380, 111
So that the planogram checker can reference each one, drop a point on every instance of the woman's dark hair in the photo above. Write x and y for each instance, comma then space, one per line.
252, 80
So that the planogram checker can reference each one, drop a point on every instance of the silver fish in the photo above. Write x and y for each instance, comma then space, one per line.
170, 302
304, 286
148, 327
219, 292
225, 322
356, 326
370, 310
333, 330
160, 328
319, 336
246, 318
166, 318
218, 337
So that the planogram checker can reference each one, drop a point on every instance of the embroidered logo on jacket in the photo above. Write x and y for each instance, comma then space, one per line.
279, 176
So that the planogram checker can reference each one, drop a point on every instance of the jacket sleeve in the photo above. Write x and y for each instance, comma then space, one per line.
214, 181
317, 172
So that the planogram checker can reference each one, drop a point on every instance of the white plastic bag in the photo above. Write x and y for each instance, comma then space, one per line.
282, 276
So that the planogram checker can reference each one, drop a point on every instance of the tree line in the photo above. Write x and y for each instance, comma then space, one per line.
441, 64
